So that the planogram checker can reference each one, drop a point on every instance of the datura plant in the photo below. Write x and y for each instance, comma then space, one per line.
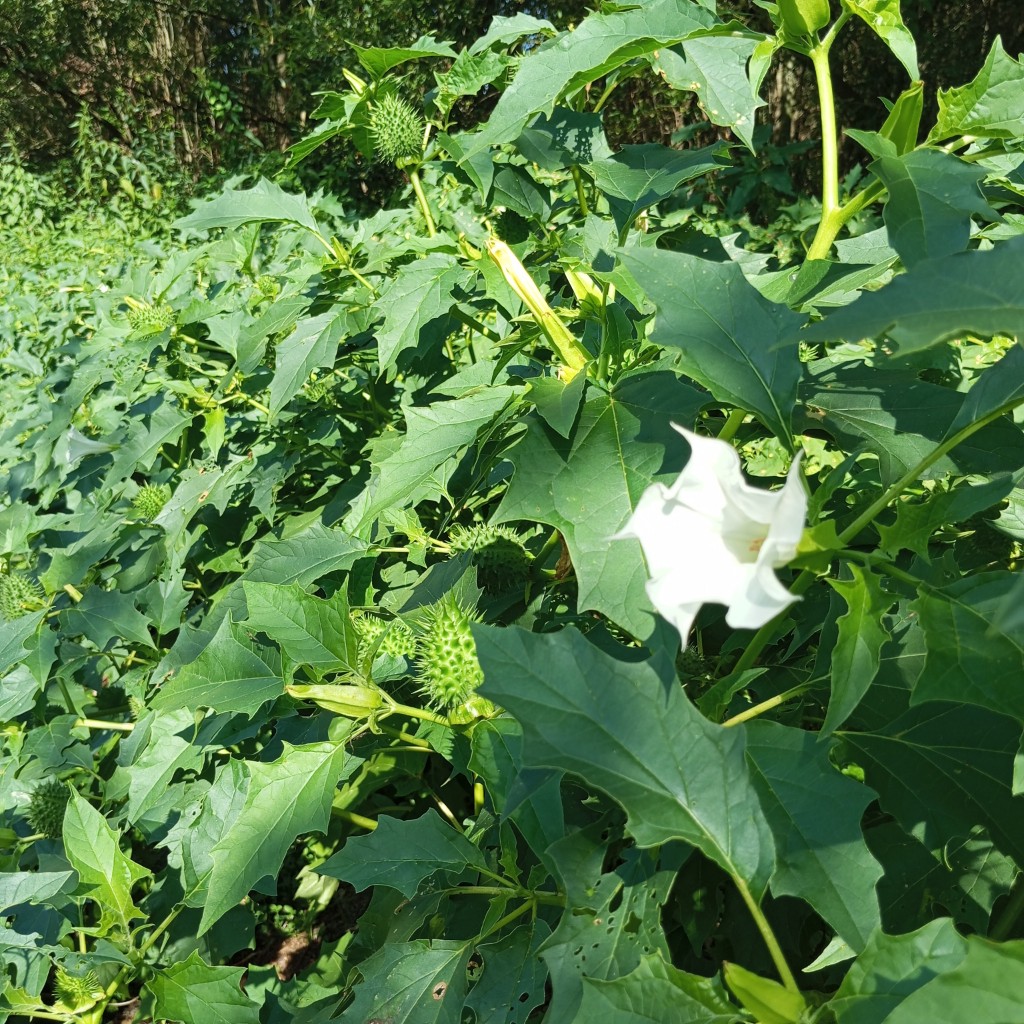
541, 599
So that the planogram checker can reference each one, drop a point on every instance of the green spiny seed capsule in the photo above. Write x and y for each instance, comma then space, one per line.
76, 992
501, 558
396, 638
136, 707
46, 808
150, 500
397, 129
447, 666
19, 595
145, 319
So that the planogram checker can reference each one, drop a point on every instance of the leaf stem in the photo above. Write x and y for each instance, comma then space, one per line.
95, 723
774, 949
421, 198
355, 819
766, 705
1001, 929
474, 325
581, 196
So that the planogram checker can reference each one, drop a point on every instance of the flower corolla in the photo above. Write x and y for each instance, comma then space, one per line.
711, 537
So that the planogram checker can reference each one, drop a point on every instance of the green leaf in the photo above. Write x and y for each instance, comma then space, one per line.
311, 346
639, 176
305, 556
891, 967
932, 195
33, 887
402, 853
862, 635
884, 19
587, 485
999, 385
563, 139
971, 658
105, 874
231, 674
716, 69
379, 60
599, 45
164, 753
511, 985
821, 855
611, 920
514, 189
980, 291
420, 982
636, 737
265, 201
311, 631
286, 798
193, 991
102, 615
765, 998
984, 989
902, 420
434, 434
727, 333
989, 107
657, 992
417, 295
13, 635
941, 770
916, 522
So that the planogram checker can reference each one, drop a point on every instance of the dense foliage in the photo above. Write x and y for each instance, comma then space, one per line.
314, 607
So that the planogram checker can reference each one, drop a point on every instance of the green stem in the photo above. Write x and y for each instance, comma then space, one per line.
422, 713
474, 325
355, 819
95, 723
766, 705
828, 226
869, 515
421, 198
581, 196
507, 919
732, 424
774, 949
1001, 929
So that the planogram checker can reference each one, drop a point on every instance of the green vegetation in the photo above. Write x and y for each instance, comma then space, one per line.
332, 680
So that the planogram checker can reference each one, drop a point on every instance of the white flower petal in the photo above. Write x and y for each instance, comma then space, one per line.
711, 537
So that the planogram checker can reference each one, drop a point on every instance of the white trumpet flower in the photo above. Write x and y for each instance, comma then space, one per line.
711, 537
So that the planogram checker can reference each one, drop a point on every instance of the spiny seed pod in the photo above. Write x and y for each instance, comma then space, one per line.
447, 666
512, 227
136, 707
150, 500
46, 808
397, 129
19, 594
267, 285
501, 558
398, 640
145, 319
76, 992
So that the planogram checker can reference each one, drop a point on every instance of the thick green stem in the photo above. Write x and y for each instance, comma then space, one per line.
581, 197
421, 198
774, 949
1002, 927
732, 424
94, 723
829, 225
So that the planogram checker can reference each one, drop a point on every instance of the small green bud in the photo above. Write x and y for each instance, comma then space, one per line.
350, 701
396, 128
803, 17
150, 500
46, 808
19, 595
